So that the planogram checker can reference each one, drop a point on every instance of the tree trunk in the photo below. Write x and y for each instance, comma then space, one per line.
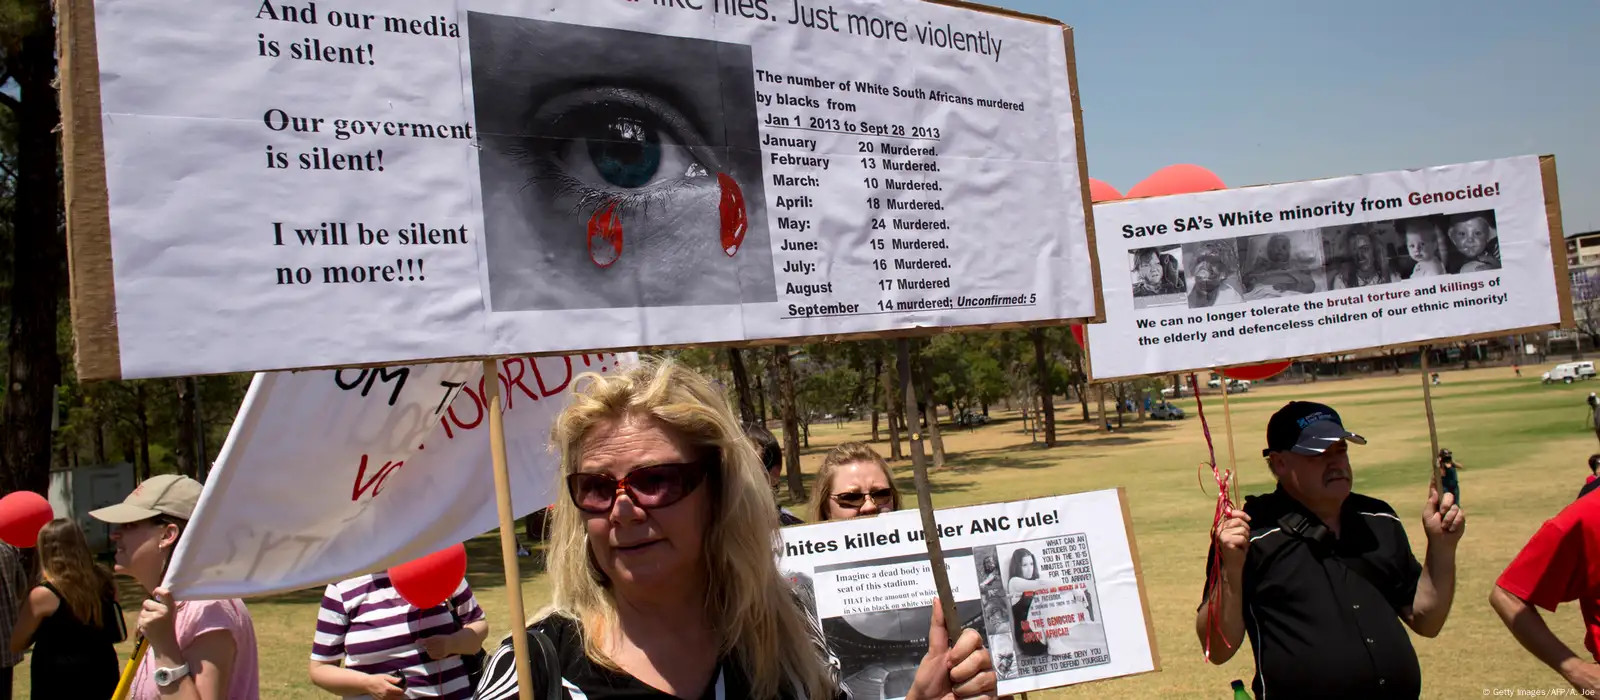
184, 451
741, 386
142, 422
930, 409
97, 442
894, 411
761, 395
877, 391
1041, 372
791, 423
38, 274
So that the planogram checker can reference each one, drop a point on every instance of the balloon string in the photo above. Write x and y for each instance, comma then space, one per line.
1225, 504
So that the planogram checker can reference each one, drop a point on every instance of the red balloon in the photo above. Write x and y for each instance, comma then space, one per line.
1077, 334
1102, 192
1177, 179
22, 514
429, 581
1256, 373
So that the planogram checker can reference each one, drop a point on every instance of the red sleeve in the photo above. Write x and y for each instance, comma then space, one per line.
1552, 568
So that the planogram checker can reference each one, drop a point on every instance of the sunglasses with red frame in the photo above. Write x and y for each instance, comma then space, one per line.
655, 486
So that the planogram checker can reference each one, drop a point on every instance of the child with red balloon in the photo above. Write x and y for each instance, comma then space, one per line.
199, 649
405, 633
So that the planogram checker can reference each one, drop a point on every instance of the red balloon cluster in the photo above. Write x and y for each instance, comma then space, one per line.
22, 514
429, 581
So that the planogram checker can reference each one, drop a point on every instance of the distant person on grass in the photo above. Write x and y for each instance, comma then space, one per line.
202, 649
771, 458
854, 482
1556, 566
1322, 577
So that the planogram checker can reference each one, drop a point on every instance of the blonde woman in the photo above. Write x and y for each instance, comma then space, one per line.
663, 580
854, 482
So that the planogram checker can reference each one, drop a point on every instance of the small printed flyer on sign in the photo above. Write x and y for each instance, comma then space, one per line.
1315, 268
311, 184
1049, 583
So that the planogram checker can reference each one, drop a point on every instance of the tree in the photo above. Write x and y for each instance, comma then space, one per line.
791, 421
741, 385
38, 249
1048, 408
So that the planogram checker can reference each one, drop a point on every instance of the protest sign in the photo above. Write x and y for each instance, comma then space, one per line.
342, 182
1052, 584
1314, 268
329, 474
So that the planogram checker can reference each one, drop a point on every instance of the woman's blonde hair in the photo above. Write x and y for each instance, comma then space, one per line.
760, 620
847, 453
66, 563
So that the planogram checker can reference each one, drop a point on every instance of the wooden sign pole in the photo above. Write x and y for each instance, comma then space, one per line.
1427, 404
919, 466
1227, 424
508, 531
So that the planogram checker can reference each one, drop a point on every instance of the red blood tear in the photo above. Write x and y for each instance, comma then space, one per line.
735, 220
605, 236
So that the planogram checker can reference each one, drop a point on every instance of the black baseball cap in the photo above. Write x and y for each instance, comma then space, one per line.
1306, 428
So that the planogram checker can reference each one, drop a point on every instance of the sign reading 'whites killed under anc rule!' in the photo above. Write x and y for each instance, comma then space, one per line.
1052, 585
1314, 268
291, 184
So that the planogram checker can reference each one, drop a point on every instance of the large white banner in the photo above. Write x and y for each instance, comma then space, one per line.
331, 474
1050, 583
1314, 268
368, 181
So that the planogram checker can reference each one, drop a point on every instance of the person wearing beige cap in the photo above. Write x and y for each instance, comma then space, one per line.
199, 649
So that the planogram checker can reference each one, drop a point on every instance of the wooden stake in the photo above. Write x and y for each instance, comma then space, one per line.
919, 466
1227, 426
508, 531
1100, 390
1427, 403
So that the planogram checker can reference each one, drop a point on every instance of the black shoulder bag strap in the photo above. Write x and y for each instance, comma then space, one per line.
552, 664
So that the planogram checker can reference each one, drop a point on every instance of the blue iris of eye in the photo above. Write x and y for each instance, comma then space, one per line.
629, 155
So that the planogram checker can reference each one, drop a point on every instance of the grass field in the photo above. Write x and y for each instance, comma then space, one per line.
1523, 445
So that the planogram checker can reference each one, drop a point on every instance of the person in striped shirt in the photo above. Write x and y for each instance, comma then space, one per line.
389, 648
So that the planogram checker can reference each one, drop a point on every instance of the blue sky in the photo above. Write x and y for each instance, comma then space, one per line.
1263, 92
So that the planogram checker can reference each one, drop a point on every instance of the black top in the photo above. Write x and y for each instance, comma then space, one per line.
1322, 612
73, 659
1590, 486
595, 682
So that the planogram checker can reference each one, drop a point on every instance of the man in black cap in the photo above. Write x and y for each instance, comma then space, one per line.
1321, 577
772, 458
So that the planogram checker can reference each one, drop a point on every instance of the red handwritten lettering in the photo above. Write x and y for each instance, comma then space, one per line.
538, 377
516, 381
376, 482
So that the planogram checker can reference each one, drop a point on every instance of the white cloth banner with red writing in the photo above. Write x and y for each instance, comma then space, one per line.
331, 474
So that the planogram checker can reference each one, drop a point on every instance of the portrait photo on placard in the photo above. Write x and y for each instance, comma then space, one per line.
1281, 264
1363, 255
1213, 270
1158, 276
619, 169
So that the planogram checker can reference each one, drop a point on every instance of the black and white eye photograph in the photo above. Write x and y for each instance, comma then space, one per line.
1213, 270
1281, 264
619, 169
1158, 277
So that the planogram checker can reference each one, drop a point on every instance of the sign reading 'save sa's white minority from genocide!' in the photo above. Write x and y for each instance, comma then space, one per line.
1302, 269
294, 184
1052, 585
330, 474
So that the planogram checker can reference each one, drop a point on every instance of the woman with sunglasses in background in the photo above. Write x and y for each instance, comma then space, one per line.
662, 575
854, 481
